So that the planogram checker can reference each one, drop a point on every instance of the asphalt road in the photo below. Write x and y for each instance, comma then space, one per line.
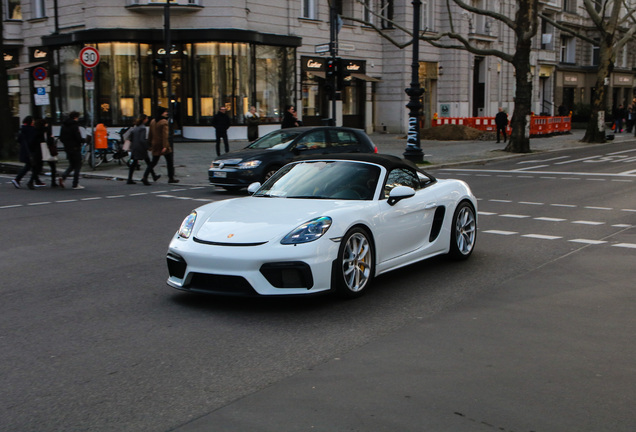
534, 333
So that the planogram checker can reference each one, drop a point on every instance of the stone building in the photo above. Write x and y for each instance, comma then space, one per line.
271, 53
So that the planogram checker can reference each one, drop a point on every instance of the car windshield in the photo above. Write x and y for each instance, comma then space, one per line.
274, 140
346, 180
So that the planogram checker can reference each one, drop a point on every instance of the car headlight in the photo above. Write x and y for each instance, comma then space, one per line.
249, 164
308, 232
186, 226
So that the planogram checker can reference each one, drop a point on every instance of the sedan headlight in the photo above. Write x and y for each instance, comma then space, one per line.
308, 232
249, 164
185, 230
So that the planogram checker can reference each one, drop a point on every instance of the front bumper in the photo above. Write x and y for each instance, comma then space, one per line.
265, 269
233, 177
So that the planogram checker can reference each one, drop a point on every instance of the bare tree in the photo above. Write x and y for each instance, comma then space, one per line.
614, 24
524, 27
7, 140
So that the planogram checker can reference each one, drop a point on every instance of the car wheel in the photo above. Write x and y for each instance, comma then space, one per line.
355, 267
463, 231
270, 172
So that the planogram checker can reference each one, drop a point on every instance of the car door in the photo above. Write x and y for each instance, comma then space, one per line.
313, 142
405, 226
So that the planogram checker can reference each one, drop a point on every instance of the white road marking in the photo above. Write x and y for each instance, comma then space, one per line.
584, 222
530, 203
541, 236
506, 233
626, 245
598, 208
588, 241
550, 219
515, 216
39, 203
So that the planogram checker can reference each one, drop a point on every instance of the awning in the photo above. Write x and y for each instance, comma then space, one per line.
21, 68
365, 77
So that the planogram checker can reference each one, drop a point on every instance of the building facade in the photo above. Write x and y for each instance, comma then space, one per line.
273, 53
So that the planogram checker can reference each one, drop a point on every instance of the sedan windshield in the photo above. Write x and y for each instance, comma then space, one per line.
344, 180
275, 140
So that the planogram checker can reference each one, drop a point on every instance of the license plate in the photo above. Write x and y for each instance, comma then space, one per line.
219, 174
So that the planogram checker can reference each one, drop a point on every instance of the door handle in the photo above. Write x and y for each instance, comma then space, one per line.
430, 206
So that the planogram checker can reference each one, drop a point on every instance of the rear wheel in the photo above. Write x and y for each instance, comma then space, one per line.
355, 267
463, 231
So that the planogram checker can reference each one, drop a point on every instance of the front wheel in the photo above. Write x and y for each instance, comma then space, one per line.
463, 231
270, 172
355, 265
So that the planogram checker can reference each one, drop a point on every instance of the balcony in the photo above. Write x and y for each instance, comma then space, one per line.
157, 6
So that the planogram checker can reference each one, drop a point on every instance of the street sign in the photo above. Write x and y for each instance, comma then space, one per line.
89, 75
322, 48
89, 57
346, 47
39, 73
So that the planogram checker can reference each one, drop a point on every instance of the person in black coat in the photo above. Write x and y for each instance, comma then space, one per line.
139, 150
71, 137
290, 119
501, 121
221, 123
30, 154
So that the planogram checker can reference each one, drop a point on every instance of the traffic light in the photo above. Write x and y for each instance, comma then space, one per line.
331, 68
344, 74
159, 68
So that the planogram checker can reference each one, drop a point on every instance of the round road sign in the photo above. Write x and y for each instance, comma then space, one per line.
39, 73
89, 57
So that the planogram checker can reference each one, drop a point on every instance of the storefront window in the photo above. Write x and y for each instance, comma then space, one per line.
274, 81
70, 76
118, 81
242, 92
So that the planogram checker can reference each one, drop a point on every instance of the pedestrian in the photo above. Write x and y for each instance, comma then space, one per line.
290, 119
139, 150
72, 140
44, 136
159, 138
221, 123
619, 118
630, 119
30, 154
501, 121
252, 120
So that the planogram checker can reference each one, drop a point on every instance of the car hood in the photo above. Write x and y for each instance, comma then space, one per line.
245, 154
260, 219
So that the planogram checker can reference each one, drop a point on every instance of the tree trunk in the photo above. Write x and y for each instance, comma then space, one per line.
8, 146
595, 132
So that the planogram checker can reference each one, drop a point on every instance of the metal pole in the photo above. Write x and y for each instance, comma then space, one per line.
168, 48
413, 150
333, 52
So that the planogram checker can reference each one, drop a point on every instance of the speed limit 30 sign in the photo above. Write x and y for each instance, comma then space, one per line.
89, 57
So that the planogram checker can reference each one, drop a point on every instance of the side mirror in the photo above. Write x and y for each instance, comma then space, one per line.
399, 193
253, 188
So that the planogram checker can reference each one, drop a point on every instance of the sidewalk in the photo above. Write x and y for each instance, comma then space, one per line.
192, 158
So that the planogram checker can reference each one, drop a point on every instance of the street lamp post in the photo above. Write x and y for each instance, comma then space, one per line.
413, 150
168, 48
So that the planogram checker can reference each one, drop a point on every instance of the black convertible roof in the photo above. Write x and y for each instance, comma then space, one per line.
387, 161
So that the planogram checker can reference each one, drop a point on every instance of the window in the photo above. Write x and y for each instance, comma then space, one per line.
401, 177
547, 36
596, 52
308, 9
427, 18
569, 6
13, 9
386, 11
568, 49
368, 11
38, 10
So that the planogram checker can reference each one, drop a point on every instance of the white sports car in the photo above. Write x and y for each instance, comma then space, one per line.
323, 224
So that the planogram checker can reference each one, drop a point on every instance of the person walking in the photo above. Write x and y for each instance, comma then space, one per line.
290, 119
71, 137
619, 118
252, 120
139, 151
221, 123
44, 135
501, 121
631, 118
159, 138
30, 154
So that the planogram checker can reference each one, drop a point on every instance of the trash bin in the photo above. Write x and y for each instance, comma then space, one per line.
101, 136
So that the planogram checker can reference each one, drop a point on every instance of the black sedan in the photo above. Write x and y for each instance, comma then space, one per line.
263, 157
